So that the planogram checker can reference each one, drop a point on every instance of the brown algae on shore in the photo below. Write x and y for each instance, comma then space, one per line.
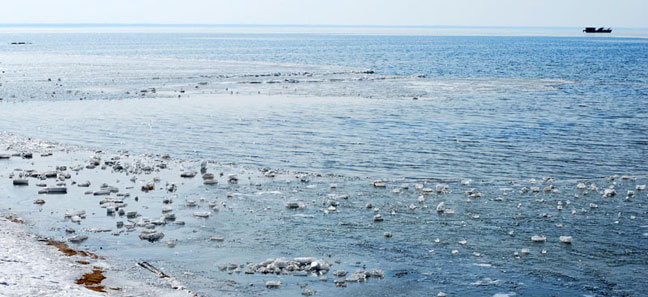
14, 220
71, 252
93, 280
90, 280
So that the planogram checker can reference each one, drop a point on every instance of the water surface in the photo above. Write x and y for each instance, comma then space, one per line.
349, 109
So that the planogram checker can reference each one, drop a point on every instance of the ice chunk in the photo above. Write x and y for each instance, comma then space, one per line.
566, 239
440, 207
53, 190
538, 238
202, 214
151, 235
610, 192
188, 174
78, 238
20, 182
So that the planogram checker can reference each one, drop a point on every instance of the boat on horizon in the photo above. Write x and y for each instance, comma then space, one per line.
599, 30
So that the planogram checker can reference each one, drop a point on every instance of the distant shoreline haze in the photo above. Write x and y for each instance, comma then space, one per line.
302, 25
440, 30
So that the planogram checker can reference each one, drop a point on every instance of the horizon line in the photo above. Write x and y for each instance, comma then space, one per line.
293, 25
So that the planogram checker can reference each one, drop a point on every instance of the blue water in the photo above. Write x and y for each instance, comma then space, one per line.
497, 109
589, 59
562, 106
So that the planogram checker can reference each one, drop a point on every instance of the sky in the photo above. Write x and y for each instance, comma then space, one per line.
515, 13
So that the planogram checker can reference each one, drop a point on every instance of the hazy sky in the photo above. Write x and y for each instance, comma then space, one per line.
616, 13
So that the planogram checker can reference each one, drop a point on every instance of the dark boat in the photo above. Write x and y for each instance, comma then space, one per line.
599, 30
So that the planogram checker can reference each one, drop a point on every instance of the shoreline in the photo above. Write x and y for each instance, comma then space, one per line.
30, 267
42, 256
34, 266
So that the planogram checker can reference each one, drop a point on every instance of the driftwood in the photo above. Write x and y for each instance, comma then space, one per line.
173, 282
152, 268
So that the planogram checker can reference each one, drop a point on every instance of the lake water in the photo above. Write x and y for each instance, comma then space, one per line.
406, 108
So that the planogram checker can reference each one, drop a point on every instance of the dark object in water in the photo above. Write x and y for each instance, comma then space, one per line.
152, 268
53, 190
599, 30
20, 182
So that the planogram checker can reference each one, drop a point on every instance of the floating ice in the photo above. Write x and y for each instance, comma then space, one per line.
610, 192
295, 205
232, 179
379, 184
441, 188
188, 174
80, 213
566, 239
538, 238
218, 238
53, 190
202, 214
151, 235
440, 207
20, 182
78, 238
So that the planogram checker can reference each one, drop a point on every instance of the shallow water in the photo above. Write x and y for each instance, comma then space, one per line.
499, 110
351, 136
609, 241
488, 108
